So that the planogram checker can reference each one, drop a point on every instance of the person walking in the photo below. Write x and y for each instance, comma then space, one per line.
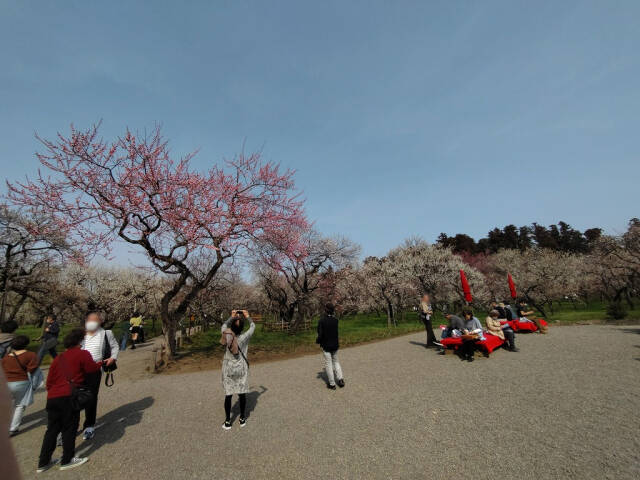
68, 369
18, 365
235, 366
49, 337
135, 325
328, 340
426, 312
103, 347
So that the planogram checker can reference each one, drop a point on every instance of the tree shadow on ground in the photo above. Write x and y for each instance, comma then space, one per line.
631, 330
111, 427
252, 402
38, 418
419, 344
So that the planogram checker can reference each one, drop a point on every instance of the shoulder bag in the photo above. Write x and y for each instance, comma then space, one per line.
80, 394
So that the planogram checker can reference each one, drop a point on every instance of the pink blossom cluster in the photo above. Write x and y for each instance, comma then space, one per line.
95, 192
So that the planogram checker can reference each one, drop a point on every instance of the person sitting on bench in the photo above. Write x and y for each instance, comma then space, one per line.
472, 326
524, 314
455, 323
505, 332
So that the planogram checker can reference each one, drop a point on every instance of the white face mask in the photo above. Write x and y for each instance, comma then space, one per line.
91, 326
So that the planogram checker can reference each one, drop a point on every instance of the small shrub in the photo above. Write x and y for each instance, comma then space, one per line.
616, 310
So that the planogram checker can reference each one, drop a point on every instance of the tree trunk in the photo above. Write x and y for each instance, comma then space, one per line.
169, 329
390, 317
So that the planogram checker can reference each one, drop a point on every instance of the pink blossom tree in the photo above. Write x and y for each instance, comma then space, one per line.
133, 190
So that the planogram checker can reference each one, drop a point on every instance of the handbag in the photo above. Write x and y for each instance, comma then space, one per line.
235, 368
80, 394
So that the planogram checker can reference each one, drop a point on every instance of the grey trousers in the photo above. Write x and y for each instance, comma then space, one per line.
331, 366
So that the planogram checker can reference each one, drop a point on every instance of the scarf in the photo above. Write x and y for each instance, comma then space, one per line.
230, 341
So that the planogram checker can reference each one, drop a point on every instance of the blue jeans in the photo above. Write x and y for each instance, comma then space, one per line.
446, 333
48, 346
18, 390
125, 338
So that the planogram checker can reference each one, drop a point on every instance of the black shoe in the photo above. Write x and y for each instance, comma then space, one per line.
340, 383
470, 359
514, 349
226, 425
331, 387
243, 421
133, 347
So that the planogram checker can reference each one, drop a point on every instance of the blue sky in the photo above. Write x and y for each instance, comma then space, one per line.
401, 118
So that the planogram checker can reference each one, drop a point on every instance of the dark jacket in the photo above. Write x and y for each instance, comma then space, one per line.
54, 331
502, 313
328, 333
456, 322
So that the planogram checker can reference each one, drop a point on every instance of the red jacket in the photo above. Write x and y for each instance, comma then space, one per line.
73, 364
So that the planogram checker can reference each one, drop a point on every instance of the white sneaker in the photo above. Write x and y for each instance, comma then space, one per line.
226, 425
53, 462
89, 433
75, 462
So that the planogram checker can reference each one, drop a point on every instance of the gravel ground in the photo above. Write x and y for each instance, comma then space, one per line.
566, 406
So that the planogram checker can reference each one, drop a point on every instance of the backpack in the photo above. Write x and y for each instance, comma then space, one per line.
4, 348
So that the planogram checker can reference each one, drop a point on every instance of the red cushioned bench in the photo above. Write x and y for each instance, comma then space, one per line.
523, 327
490, 343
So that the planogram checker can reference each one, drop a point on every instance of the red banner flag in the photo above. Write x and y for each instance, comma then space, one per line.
512, 286
465, 287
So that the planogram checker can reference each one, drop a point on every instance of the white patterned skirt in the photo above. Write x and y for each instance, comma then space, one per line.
235, 375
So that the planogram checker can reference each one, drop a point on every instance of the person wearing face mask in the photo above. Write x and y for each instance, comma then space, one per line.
103, 347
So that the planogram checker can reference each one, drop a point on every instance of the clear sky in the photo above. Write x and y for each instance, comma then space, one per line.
401, 118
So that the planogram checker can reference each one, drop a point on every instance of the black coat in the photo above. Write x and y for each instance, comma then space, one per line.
328, 333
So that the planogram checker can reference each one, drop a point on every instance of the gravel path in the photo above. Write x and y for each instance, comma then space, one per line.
566, 406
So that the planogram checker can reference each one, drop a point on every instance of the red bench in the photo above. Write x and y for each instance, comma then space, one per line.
490, 343
523, 327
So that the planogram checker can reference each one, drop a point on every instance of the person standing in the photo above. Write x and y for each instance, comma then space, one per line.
328, 340
124, 328
235, 366
71, 367
426, 312
18, 365
49, 337
103, 347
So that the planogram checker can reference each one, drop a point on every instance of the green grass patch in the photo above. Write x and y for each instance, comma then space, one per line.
354, 329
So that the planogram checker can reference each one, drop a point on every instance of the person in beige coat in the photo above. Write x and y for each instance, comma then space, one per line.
505, 332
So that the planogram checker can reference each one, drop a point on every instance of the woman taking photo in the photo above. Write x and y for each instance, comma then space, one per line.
235, 366
18, 365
